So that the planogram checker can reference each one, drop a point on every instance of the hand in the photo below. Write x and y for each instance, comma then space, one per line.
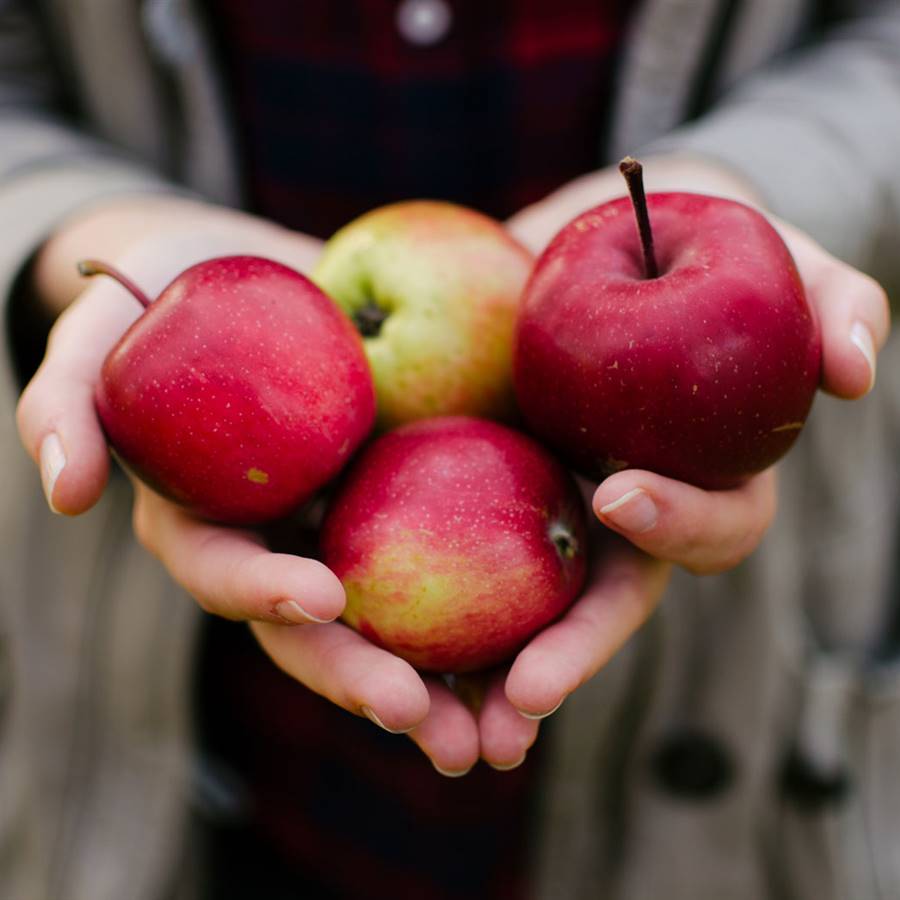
151, 239
624, 587
493, 716
711, 531
496, 716
229, 572
703, 531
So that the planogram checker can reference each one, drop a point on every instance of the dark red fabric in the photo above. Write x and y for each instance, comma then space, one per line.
339, 114
342, 809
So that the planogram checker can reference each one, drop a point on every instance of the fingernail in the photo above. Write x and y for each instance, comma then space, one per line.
500, 767
635, 511
449, 773
543, 715
369, 713
291, 611
861, 338
53, 461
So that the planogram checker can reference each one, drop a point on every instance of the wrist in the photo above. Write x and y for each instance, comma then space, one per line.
157, 237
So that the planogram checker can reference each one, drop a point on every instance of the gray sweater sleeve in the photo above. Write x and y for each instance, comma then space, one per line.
48, 168
819, 135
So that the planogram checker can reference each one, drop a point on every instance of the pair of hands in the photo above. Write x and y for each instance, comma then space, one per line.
290, 601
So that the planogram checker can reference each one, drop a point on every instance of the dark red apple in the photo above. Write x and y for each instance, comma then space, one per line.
704, 371
456, 539
239, 392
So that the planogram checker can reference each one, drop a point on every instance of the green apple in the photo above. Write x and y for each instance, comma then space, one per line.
434, 290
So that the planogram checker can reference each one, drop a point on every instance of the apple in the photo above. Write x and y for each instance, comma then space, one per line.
691, 352
239, 392
456, 539
434, 290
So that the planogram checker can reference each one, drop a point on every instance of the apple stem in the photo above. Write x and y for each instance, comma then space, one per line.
633, 173
90, 267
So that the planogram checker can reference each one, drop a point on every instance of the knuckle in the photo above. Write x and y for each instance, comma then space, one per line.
395, 669
206, 603
868, 296
231, 582
881, 310
730, 544
242, 577
392, 672
703, 567
727, 555
23, 410
873, 290
28, 410
705, 557
248, 571
824, 275
697, 556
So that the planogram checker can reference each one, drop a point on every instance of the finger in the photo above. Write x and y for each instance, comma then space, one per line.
505, 734
341, 665
625, 589
56, 417
853, 313
230, 572
448, 736
703, 531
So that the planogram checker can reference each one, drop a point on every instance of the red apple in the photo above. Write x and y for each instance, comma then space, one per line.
434, 289
239, 392
456, 539
704, 371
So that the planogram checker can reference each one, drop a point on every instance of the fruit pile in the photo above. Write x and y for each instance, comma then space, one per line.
426, 344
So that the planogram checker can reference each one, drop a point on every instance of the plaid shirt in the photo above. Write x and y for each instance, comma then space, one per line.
340, 113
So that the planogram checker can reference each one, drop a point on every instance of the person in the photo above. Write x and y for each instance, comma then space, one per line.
97, 724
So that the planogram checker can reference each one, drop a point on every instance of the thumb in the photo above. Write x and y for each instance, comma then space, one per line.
56, 418
703, 531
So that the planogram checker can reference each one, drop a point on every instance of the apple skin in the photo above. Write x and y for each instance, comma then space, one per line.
705, 374
449, 280
456, 539
239, 392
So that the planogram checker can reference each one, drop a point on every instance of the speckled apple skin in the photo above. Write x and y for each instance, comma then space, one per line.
452, 280
239, 392
705, 374
442, 536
